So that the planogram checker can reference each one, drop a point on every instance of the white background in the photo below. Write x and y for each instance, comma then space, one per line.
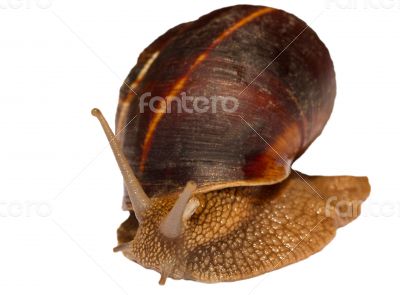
60, 190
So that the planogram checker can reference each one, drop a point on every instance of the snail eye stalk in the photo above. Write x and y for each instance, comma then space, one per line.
140, 201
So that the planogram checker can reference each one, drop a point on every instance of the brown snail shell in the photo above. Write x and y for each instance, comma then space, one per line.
243, 211
219, 55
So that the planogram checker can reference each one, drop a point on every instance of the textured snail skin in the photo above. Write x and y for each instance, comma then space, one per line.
255, 214
238, 233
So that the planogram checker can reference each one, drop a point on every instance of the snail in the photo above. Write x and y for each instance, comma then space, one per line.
210, 191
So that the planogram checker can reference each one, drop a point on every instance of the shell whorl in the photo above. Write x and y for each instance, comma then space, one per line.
279, 113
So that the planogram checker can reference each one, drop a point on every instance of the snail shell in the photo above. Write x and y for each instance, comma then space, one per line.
211, 195
220, 54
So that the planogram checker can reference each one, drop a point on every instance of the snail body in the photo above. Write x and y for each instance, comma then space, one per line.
211, 194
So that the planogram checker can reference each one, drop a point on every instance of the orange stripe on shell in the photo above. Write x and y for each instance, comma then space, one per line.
182, 81
126, 102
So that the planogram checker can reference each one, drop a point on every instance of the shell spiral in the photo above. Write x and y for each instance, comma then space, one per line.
274, 66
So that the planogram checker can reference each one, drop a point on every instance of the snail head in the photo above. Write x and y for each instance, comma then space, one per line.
159, 240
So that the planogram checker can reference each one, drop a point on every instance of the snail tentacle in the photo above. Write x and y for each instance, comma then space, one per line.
140, 201
172, 225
